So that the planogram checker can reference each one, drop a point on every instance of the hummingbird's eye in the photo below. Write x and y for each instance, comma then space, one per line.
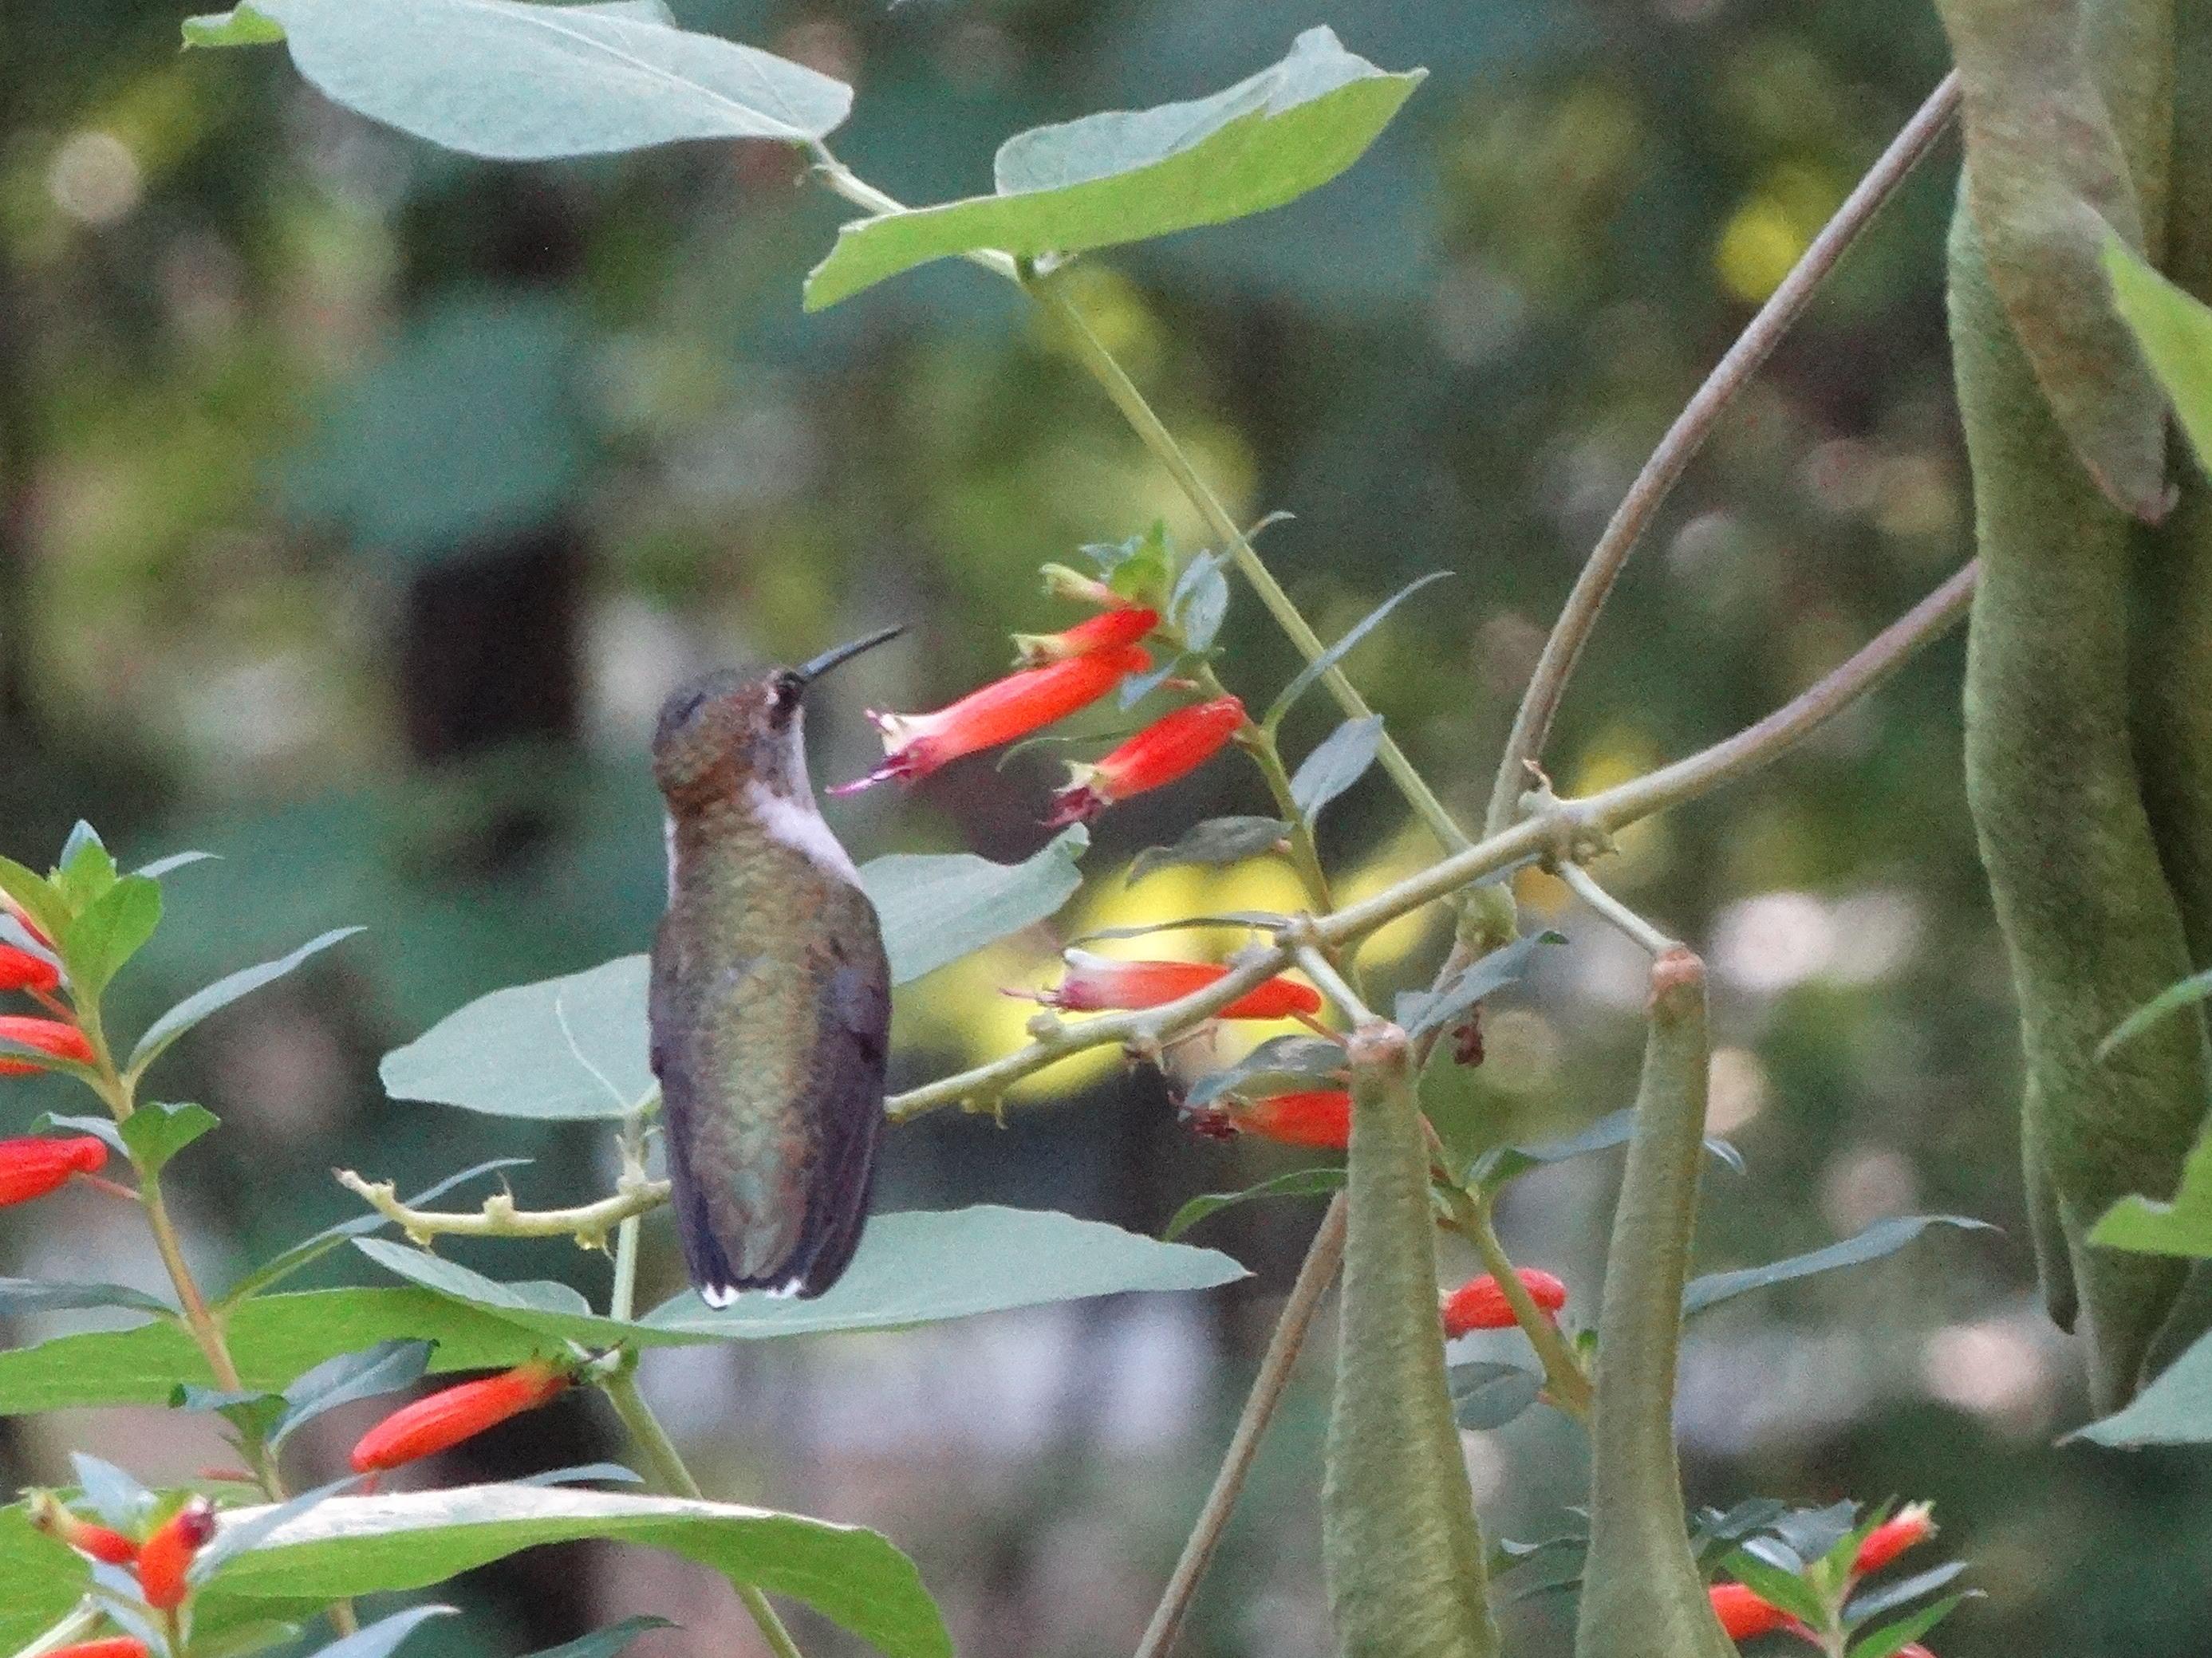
784, 690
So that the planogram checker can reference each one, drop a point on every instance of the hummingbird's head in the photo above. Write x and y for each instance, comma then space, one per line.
725, 730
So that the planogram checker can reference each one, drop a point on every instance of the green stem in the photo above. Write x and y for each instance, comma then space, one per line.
674, 1478
1564, 1379
1152, 432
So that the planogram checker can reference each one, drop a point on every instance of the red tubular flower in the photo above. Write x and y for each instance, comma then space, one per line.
1744, 1611
1480, 1304
1913, 1523
1169, 748
1095, 983
32, 1168
167, 1554
21, 971
1063, 583
1317, 1118
446, 1418
63, 1042
1106, 631
916, 744
109, 1547
112, 1646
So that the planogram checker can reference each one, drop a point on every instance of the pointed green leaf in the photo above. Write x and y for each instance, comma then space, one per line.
174, 862
2175, 997
204, 1003
31, 1295
1310, 676
1280, 1062
1486, 1395
383, 1368
1892, 1638
1296, 1183
1200, 600
1216, 841
936, 908
516, 82
98, 943
367, 1544
1341, 759
571, 1047
1422, 1012
155, 1132
2175, 1409
1884, 1237
383, 1638
38, 899
1874, 1602
1128, 175
1783, 1589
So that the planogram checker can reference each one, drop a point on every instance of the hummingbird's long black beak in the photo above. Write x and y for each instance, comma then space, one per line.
810, 671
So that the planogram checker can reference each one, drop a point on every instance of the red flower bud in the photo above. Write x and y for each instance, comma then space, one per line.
167, 1554
32, 1168
1095, 983
110, 1547
21, 971
1913, 1523
1169, 748
446, 1418
1106, 631
916, 744
112, 1646
1318, 1118
1744, 1611
1480, 1304
63, 1042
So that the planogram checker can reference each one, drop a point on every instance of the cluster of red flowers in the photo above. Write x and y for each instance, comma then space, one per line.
1061, 674
33, 973
1744, 1612
161, 1562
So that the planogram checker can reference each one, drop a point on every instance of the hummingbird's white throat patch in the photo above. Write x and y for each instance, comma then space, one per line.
793, 820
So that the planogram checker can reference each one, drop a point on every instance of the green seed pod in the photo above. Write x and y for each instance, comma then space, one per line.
2090, 924
1643, 1596
1402, 1552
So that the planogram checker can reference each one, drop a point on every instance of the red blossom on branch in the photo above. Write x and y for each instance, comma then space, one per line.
1914, 1523
446, 1418
1109, 630
1172, 746
32, 1168
1093, 983
167, 1554
55, 1036
1480, 1304
1319, 1119
1744, 1611
916, 744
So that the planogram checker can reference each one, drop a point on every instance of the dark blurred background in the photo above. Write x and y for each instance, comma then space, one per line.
358, 502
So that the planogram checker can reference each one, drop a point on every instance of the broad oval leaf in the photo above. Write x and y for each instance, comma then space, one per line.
1884, 1237
936, 908
1486, 1395
205, 1004
1341, 759
1292, 1060
1296, 1183
567, 1049
516, 82
31, 1295
97, 944
1216, 841
2175, 1409
1127, 175
1308, 675
367, 1545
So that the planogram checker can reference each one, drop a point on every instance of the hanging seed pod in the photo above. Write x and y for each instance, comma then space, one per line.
1643, 1593
1399, 1544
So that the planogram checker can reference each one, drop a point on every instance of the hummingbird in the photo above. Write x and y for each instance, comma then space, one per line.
769, 1005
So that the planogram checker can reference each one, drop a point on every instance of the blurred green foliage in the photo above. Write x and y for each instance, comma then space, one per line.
357, 502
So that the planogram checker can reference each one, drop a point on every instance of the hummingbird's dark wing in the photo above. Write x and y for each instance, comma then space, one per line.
846, 1093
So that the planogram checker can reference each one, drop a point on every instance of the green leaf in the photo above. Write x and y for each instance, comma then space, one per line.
311, 1249
1260, 921
606, 1643
586, 1473
155, 1132
936, 908
383, 1368
242, 26
1891, 1596
1200, 600
566, 1048
365, 1545
1486, 1394
274, 1340
1216, 841
1891, 1637
1296, 1183
118, 1499
2175, 332
40, 1581
31, 1295
37, 897
1422, 1012
243, 1640
1125, 176
2175, 997
2181, 1227
204, 1003
513, 81
2175, 1409
1297, 1060
1340, 760
1310, 676
100, 1128
1784, 1588
554, 1311
174, 862
85, 872
2045, 184
1882, 1238
100, 940
383, 1638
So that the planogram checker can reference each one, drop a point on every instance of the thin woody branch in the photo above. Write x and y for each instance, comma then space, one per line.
589, 1224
